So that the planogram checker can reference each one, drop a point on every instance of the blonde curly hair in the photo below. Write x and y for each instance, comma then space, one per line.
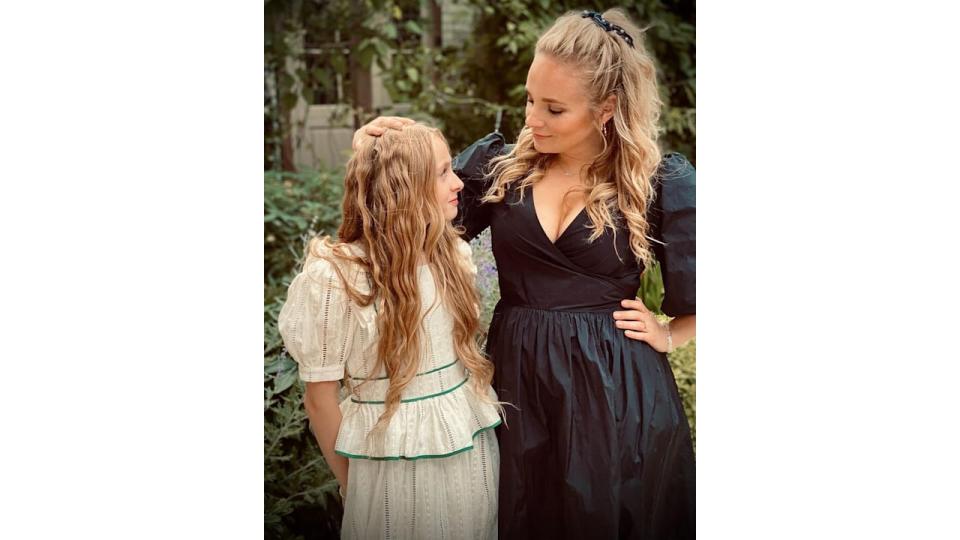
390, 210
620, 178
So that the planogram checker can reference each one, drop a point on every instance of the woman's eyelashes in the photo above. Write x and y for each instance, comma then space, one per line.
551, 110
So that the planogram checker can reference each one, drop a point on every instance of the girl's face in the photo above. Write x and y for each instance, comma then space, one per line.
448, 184
559, 112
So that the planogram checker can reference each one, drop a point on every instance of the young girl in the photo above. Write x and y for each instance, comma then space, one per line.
390, 310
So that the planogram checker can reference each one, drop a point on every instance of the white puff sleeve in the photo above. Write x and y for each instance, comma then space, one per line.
317, 323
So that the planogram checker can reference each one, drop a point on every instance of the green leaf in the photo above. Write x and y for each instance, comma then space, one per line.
285, 380
382, 50
390, 30
282, 363
413, 28
365, 52
412, 74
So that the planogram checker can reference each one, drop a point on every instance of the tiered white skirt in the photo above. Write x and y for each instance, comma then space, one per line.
435, 472
452, 497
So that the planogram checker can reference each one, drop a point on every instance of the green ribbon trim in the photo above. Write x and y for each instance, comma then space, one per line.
355, 400
427, 456
417, 375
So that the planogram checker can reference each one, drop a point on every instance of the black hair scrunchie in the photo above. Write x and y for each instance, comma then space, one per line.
608, 26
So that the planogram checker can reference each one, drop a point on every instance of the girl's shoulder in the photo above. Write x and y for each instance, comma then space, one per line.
324, 260
329, 270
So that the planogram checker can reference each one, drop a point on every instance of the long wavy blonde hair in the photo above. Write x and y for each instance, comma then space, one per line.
391, 211
619, 181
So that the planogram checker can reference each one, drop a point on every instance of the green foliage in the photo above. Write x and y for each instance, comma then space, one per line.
300, 492
683, 360
453, 86
297, 206
651, 288
310, 48
487, 286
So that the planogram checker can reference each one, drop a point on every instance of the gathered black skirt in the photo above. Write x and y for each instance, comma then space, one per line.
596, 443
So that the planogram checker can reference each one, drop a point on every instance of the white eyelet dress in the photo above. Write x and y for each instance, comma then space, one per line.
435, 472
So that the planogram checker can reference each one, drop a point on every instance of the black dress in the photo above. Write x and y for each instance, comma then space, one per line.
600, 447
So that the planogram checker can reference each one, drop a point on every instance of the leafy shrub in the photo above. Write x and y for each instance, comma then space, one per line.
683, 360
296, 206
300, 492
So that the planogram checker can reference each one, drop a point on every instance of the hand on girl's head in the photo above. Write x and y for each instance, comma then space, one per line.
378, 126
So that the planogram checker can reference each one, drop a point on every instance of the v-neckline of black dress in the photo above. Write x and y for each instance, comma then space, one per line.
543, 232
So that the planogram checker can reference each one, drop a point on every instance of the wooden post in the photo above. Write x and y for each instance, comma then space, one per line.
361, 79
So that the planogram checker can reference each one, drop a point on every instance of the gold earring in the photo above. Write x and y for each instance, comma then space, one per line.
604, 130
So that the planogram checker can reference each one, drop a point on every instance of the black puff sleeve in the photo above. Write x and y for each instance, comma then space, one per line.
674, 222
472, 166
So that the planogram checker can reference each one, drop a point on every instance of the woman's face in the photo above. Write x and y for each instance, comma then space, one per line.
448, 184
559, 112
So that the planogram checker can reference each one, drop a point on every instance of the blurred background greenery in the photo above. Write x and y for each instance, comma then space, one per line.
329, 66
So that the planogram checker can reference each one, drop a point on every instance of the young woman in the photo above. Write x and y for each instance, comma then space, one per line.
578, 208
390, 309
